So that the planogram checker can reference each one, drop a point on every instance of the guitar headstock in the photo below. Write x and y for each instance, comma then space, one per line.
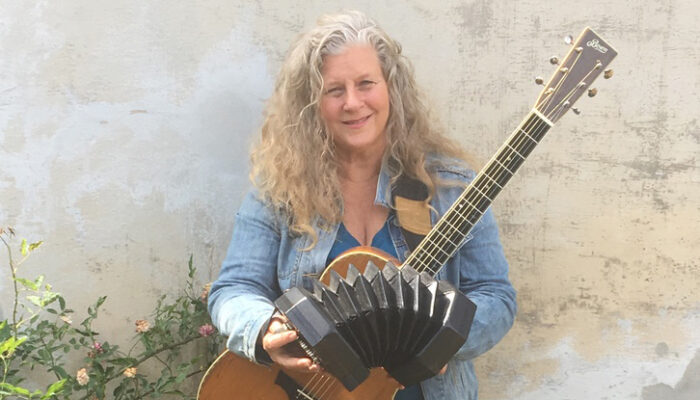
588, 57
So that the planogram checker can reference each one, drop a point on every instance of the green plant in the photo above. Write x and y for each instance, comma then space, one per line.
39, 339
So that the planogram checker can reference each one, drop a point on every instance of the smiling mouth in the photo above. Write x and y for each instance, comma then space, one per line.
356, 122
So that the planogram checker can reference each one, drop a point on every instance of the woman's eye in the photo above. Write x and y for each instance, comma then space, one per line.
335, 91
366, 84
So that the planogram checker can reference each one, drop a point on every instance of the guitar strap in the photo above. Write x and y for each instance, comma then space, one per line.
413, 213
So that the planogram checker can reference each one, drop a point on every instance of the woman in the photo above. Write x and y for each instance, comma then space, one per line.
344, 123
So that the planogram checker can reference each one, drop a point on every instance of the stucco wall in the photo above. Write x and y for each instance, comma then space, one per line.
124, 129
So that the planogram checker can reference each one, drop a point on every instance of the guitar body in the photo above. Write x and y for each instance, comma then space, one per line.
234, 377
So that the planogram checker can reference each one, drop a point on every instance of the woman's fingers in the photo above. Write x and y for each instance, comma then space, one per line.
274, 341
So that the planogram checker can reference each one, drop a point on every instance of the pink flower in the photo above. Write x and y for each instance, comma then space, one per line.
142, 326
206, 330
97, 346
82, 377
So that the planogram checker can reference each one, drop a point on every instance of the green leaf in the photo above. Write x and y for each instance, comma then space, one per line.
27, 283
10, 345
36, 300
54, 389
35, 245
191, 268
7, 389
24, 249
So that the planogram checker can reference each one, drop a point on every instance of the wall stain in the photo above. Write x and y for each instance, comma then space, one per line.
686, 389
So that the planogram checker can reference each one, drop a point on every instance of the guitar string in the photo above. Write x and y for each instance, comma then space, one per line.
303, 391
328, 388
481, 186
443, 239
423, 263
565, 74
317, 379
571, 93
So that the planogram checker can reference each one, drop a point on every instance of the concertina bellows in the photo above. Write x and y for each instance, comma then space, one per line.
407, 322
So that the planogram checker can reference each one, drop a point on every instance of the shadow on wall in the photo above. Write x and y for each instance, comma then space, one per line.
687, 389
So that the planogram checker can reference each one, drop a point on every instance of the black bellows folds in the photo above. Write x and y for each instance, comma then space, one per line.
407, 322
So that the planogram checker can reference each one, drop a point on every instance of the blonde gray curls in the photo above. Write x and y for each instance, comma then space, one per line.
293, 161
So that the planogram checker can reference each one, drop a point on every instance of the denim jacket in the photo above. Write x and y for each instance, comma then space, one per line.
264, 259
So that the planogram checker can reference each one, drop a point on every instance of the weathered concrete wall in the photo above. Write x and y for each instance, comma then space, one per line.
124, 129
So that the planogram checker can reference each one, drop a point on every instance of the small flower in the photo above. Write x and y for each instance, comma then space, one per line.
205, 293
96, 349
66, 319
97, 346
130, 372
142, 326
206, 330
82, 377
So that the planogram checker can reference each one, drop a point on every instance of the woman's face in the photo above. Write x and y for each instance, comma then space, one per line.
355, 100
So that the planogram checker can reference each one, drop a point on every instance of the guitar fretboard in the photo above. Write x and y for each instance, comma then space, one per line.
450, 231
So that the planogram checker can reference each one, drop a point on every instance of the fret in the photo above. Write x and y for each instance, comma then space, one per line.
504, 167
520, 145
453, 227
493, 180
447, 238
510, 158
486, 186
482, 193
516, 151
479, 202
497, 173
542, 128
527, 135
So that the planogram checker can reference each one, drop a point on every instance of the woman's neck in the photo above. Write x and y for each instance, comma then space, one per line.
359, 167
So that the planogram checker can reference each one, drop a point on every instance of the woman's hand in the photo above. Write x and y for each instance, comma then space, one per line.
274, 342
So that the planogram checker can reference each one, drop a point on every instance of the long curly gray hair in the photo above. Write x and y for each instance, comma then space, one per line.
293, 161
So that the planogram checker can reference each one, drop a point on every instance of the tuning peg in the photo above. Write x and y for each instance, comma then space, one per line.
568, 39
592, 92
608, 73
579, 49
576, 111
554, 60
539, 80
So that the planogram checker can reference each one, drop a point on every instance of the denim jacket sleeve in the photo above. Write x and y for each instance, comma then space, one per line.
480, 270
483, 277
240, 300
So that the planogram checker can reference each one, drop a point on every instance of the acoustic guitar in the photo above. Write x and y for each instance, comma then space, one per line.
234, 377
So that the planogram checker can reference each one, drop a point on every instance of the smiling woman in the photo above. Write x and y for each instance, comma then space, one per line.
344, 128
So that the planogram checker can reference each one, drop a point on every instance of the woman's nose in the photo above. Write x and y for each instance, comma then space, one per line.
352, 100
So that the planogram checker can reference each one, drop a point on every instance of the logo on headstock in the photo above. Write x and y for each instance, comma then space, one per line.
596, 45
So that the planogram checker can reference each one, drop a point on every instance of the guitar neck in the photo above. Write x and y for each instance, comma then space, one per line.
445, 238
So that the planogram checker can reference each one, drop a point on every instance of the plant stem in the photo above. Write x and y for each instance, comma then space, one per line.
191, 374
16, 289
148, 356
53, 360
